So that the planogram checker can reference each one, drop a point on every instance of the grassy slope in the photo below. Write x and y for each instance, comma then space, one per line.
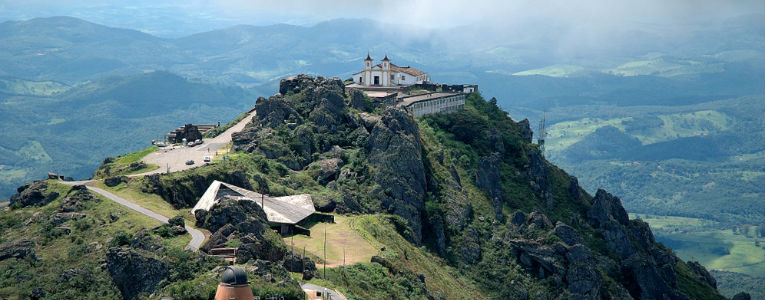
344, 243
378, 230
84, 248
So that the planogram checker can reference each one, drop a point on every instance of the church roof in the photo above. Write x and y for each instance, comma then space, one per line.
386, 58
408, 70
284, 210
368, 58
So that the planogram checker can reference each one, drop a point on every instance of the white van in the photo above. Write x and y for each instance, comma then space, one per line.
208, 159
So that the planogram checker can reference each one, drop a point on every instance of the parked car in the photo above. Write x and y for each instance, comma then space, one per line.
189, 162
208, 159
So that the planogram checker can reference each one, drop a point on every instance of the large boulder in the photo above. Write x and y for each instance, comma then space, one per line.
76, 199
328, 170
606, 207
395, 153
33, 194
567, 234
526, 133
134, 272
539, 259
233, 212
488, 179
539, 220
114, 181
298, 264
17, 249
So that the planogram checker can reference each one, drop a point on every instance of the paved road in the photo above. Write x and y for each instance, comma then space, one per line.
197, 237
332, 294
176, 157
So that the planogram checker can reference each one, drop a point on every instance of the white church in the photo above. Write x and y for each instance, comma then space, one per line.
387, 74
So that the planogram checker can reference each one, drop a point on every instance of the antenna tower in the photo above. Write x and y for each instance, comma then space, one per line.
542, 133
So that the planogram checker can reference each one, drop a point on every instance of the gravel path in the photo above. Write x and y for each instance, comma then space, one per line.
197, 237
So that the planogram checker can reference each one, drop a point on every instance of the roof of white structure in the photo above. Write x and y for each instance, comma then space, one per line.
284, 210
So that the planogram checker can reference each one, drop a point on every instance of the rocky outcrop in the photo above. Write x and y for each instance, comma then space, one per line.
134, 272
32, 194
114, 181
329, 169
357, 99
526, 133
742, 296
17, 249
518, 218
304, 265
488, 179
189, 132
395, 153
60, 218
605, 208
241, 214
76, 199
538, 220
538, 172
567, 234
185, 191
541, 260
702, 274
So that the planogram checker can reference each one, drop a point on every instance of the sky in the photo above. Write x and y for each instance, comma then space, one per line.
582, 17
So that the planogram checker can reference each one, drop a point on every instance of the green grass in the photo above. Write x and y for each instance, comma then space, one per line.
343, 239
714, 247
135, 156
120, 165
32, 88
84, 247
564, 134
377, 231
131, 191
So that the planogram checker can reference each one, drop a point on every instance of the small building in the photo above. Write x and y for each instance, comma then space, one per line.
190, 132
432, 103
282, 212
234, 285
387, 74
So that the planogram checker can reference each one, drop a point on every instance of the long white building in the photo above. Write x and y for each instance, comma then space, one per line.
387, 74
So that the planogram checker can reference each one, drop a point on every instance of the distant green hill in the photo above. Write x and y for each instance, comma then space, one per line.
72, 131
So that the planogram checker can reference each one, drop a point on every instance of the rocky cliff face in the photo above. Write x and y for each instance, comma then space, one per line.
135, 272
395, 151
317, 121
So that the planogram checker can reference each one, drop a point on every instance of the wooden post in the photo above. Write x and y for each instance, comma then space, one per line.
325, 251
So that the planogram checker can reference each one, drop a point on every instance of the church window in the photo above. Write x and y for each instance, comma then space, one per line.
403, 77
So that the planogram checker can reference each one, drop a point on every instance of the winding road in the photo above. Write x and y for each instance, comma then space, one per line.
176, 161
174, 158
197, 237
